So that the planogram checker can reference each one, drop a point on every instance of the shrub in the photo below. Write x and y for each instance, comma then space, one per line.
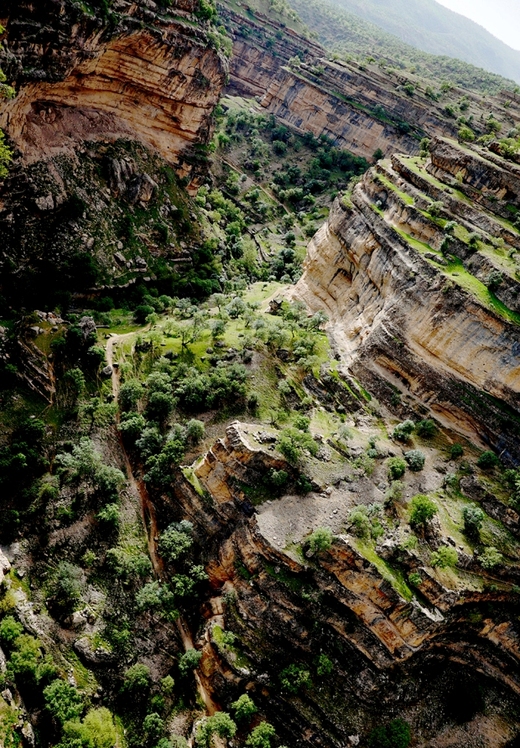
427, 428
487, 460
466, 135
473, 517
396, 468
153, 725
422, 510
219, 724
403, 431
320, 540
394, 735
176, 540
445, 557
130, 393
490, 558
415, 459
63, 701
295, 677
244, 708
394, 492
324, 666
261, 736
415, 579
136, 679
65, 587
10, 630
292, 442
132, 426
195, 431
456, 451
189, 660
96, 731
109, 515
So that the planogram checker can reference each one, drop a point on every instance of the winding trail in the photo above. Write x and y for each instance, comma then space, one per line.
149, 516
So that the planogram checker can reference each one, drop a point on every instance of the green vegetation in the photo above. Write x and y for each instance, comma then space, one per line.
396, 734
423, 509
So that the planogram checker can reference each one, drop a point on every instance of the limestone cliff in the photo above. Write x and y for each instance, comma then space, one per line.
392, 656
418, 271
139, 73
361, 106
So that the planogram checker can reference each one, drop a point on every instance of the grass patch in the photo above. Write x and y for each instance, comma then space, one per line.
391, 575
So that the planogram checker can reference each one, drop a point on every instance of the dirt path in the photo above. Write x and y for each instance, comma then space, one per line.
149, 517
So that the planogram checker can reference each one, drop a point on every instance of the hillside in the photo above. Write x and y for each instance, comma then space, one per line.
348, 34
429, 26
259, 388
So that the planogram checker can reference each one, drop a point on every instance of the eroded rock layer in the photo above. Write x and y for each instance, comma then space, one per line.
135, 73
392, 656
418, 270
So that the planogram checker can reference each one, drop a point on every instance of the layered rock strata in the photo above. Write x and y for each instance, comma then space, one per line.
418, 271
392, 656
135, 73
363, 108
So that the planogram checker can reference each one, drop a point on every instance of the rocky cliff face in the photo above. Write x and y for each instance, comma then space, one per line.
362, 107
391, 656
418, 271
110, 123
137, 73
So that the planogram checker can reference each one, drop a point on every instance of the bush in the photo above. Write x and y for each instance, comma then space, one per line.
294, 677
244, 708
65, 588
473, 517
415, 459
490, 558
394, 735
396, 468
96, 731
415, 579
195, 431
63, 701
422, 510
153, 726
189, 660
219, 724
136, 679
456, 451
320, 540
10, 630
292, 442
130, 393
394, 492
176, 541
427, 428
403, 431
261, 736
324, 666
445, 557
487, 460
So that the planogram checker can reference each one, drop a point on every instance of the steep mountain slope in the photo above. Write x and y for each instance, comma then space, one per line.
431, 27
348, 35
418, 270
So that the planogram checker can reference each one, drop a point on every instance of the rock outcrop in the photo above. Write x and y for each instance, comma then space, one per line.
390, 656
418, 270
136, 73
361, 106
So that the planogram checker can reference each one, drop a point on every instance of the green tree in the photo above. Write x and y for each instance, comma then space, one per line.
422, 511
445, 557
261, 736
487, 460
473, 517
396, 468
244, 708
294, 677
130, 393
490, 558
189, 660
63, 701
320, 540
97, 730
176, 541
136, 679
415, 459
219, 724
403, 431
394, 735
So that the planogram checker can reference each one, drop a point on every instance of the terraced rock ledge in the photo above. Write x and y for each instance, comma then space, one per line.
418, 268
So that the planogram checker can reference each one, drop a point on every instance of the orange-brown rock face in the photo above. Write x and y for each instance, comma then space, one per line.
151, 78
431, 314
360, 108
